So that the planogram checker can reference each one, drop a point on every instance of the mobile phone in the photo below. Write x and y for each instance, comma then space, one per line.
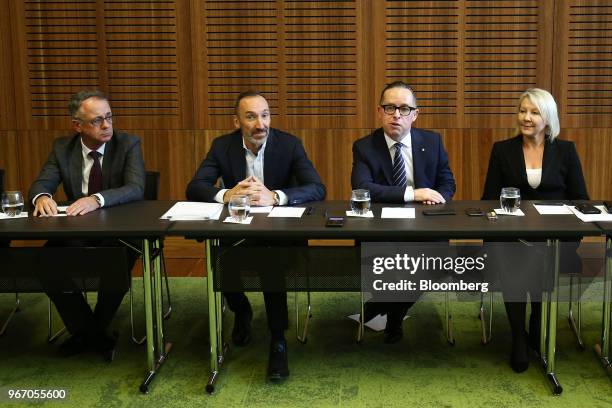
557, 203
439, 211
474, 212
587, 208
608, 206
334, 221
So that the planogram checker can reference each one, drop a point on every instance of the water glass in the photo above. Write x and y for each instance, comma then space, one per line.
239, 207
510, 199
12, 203
360, 201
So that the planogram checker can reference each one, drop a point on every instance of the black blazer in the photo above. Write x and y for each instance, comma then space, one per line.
286, 168
373, 167
562, 177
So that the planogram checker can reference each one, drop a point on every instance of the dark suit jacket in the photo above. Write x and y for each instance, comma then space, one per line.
286, 168
562, 177
373, 167
123, 172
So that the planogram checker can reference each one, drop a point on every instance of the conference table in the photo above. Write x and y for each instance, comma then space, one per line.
141, 220
133, 221
603, 349
532, 226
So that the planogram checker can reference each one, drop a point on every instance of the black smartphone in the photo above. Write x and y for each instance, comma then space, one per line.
334, 221
608, 206
557, 203
474, 212
439, 211
587, 208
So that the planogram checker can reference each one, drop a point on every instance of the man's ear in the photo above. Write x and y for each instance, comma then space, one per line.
76, 125
236, 122
416, 114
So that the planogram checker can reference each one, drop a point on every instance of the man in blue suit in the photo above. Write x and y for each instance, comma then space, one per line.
271, 167
398, 164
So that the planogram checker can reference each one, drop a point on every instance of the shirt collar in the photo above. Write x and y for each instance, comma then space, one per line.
406, 141
260, 151
86, 149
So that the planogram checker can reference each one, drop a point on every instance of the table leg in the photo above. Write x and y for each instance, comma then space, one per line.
603, 349
215, 319
153, 311
551, 338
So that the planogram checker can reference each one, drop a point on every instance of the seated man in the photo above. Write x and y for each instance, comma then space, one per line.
398, 164
271, 167
98, 167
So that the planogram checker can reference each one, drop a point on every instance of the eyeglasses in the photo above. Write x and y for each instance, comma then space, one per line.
404, 110
97, 121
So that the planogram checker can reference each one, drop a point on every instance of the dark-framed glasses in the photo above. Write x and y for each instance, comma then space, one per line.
98, 120
404, 110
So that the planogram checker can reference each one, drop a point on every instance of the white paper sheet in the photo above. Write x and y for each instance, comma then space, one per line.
517, 213
604, 216
246, 221
397, 212
552, 209
190, 211
261, 210
369, 214
287, 212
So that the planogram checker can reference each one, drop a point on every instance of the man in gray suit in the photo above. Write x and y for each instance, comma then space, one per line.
98, 167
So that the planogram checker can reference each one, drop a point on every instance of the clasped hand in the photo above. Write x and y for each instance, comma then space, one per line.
251, 186
47, 207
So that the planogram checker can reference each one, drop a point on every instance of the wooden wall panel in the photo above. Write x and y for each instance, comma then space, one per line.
583, 63
9, 160
171, 153
7, 90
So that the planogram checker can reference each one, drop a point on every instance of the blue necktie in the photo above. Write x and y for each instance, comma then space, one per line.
399, 168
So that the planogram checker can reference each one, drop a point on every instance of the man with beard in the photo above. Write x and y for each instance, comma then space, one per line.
271, 167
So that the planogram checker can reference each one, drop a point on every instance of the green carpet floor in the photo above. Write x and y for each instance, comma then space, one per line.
330, 370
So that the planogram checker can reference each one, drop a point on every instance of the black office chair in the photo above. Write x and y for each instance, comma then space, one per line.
16, 307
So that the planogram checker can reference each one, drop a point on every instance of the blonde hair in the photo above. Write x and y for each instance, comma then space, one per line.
547, 106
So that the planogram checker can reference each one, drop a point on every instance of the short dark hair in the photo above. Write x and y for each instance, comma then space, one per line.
398, 84
246, 94
77, 99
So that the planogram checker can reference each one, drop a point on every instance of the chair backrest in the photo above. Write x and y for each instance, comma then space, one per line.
151, 190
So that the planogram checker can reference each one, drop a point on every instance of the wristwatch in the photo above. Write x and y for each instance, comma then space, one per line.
97, 199
276, 198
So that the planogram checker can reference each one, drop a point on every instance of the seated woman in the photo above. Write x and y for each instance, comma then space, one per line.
543, 168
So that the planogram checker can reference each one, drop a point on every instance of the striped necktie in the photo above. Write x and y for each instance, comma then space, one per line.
399, 168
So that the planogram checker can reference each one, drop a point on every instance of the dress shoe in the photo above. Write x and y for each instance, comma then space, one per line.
372, 309
393, 333
519, 359
278, 365
241, 333
106, 344
75, 344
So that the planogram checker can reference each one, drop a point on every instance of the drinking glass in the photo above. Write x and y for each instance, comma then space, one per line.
239, 207
360, 201
12, 203
510, 199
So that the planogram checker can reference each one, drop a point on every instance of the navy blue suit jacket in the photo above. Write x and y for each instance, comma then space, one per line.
562, 177
373, 167
286, 168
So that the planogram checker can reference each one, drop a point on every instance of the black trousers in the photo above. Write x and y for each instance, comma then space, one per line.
68, 297
270, 261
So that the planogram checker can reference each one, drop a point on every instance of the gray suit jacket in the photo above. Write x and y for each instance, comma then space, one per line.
123, 172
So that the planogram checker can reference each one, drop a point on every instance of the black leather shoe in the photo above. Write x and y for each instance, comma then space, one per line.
105, 344
75, 344
241, 333
278, 365
393, 334
519, 359
372, 309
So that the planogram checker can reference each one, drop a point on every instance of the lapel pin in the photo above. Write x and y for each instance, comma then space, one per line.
422, 149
